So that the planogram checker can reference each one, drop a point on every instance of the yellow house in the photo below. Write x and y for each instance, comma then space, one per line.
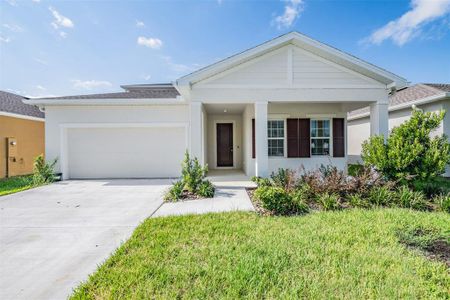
22, 130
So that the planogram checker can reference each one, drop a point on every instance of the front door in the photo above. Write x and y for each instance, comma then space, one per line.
224, 144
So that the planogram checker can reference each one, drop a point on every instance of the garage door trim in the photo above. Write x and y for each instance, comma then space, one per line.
64, 154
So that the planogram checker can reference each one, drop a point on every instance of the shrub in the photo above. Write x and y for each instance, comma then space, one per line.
300, 199
261, 181
192, 173
432, 186
442, 202
410, 199
326, 179
206, 189
43, 172
284, 178
380, 196
329, 201
175, 193
354, 169
275, 199
409, 151
357, 201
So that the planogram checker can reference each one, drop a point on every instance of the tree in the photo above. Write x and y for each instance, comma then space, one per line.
410, 151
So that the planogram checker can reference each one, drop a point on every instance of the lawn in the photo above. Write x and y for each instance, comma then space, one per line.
343, 254
15, 184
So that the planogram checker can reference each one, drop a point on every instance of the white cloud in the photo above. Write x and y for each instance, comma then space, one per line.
63, 34
292, 11
12, 2
41, 61
153, 43
40, 87
146, 77
410, 24
140, 23
36, 1
5, 39
90, 84
179, 68
13, 27
60, 20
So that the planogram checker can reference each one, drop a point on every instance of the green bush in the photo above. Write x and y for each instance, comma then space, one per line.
410, 151
354, 169
407, 198
432, 186
380, 196
300, 199
329, 201
261, 181
175, 192
284, 178
192, 173
206, 189
442, 202
357, 201
43, 172
275, 199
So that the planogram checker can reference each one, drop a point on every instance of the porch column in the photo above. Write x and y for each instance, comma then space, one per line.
261, 146
196, 131
379, 118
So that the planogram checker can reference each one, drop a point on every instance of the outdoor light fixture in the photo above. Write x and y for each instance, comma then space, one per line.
225, 110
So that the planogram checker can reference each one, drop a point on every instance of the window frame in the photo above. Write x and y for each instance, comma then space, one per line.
330, 137
277, 138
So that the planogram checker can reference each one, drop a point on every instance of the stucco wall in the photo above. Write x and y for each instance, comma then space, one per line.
57, 115
30, 143
290, 110
237, 138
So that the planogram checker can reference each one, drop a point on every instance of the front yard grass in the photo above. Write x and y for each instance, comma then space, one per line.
349, 254
15, 184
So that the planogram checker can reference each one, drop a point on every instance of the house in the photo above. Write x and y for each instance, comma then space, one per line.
426, 96
283, 103
21, 135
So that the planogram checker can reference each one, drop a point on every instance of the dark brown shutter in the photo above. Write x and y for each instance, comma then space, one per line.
338, 137
304, 149
292, 137
253, 139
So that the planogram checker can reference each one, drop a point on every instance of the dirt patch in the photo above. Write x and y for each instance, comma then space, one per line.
439, 249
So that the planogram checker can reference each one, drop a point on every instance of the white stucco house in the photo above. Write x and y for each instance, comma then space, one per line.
283, 103
426, 96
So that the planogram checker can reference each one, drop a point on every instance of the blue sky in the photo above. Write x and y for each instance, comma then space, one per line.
78, 47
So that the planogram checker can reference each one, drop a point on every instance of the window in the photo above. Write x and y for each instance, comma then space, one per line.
275, 134
320, 137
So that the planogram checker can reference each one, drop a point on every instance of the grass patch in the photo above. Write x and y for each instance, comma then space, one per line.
350, 254
15, 184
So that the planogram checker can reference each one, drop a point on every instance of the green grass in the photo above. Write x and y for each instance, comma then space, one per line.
15, 184
352, 254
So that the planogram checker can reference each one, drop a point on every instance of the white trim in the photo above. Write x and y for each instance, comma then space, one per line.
287, 86
215, 143
131, 101
330, 154
270, 118
405, 105
321, 116
290, 66
64, 154
19, 116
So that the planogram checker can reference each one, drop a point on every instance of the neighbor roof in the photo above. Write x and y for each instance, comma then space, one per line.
410, 94
137, 91
12, 103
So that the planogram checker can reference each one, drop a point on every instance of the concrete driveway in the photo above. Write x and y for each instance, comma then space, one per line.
52, 237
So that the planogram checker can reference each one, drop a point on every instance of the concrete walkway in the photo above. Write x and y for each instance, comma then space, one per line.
230, 195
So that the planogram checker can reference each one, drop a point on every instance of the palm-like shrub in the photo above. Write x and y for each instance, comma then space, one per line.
43, 172
410, 151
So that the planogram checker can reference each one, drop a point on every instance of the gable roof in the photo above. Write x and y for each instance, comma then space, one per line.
410, 95
12, 104
323, 50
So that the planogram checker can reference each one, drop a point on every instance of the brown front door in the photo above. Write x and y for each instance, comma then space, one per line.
224, 144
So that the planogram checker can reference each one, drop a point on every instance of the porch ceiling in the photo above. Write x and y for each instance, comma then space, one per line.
224, 109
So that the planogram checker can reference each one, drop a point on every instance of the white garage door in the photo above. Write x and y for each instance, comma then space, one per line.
125, 152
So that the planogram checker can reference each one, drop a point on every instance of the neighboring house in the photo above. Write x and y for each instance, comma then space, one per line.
426, 96
283, 103
21, 135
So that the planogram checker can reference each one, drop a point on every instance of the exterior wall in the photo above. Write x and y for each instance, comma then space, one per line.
359, 129
212, 142
30, 143
285, 111
59, 115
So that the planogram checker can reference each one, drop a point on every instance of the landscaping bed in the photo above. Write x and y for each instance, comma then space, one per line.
351, 254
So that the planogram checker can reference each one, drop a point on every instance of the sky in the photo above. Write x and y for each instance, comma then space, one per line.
53, 48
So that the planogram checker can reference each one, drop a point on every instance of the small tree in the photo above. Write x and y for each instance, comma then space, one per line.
192, 173
410, 151
43, 171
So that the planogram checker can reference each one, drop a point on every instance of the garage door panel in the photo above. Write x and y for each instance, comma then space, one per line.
125, 152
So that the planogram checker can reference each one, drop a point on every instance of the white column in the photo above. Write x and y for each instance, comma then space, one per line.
379, 119
262, 157
196, 131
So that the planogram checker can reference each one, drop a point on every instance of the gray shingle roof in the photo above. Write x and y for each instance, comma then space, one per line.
12, 103
143, 91
409, 94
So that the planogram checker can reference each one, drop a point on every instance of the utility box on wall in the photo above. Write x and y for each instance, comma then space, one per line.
12, 154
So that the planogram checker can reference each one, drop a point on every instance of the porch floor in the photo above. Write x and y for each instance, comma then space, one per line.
229, 178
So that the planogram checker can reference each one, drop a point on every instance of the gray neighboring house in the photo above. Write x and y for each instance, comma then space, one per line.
427, 96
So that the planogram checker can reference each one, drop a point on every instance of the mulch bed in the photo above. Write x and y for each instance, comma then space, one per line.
186, 196
257, 204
